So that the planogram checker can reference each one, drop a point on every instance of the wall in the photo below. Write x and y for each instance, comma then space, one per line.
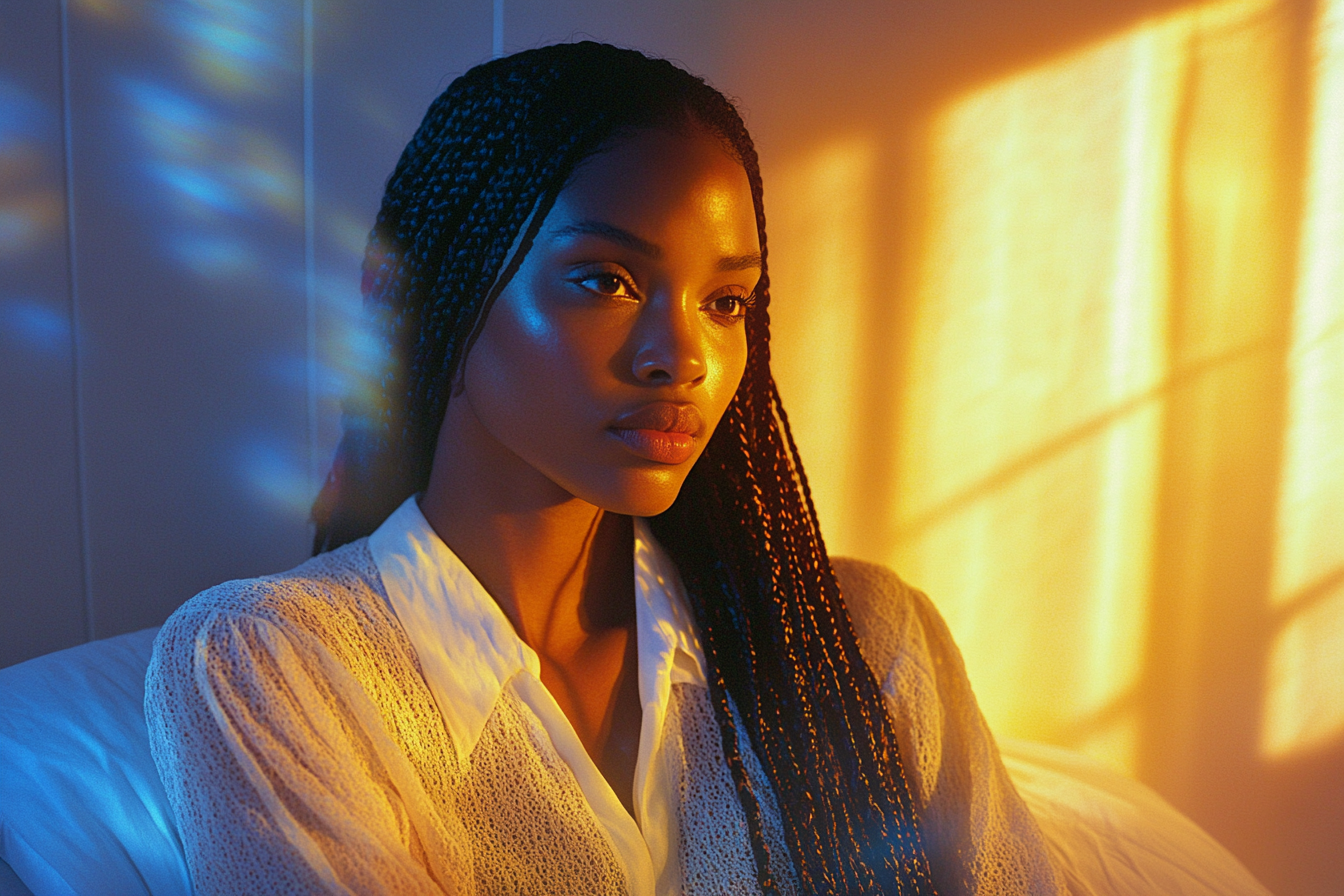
1059, 317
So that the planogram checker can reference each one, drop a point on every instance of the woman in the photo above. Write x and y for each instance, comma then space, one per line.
571, 626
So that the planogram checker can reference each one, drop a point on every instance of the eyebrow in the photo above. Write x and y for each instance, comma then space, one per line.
750, 261
615, 234
623, 237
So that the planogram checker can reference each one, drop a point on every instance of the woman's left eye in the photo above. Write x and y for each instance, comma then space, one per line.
730, 305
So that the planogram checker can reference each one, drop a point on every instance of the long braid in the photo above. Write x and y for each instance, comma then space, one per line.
784, 667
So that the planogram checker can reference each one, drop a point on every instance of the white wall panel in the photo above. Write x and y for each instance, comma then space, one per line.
690, 34
188, 181
41, 579
213, 344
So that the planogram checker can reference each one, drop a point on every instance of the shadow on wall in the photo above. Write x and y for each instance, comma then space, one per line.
1060, 317
166, 252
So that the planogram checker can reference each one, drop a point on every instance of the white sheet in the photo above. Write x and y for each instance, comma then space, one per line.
82, 810
1110, 834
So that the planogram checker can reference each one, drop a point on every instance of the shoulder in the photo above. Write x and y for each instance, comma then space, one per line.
873, 592
318, 642
896, 623
885, 610
333, 577
332, 598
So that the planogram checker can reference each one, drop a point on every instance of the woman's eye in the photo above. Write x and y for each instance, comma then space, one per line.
730, 305
608, 283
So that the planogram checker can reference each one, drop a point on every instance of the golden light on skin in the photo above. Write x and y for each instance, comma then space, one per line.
1304, 705
716, 205
822, 277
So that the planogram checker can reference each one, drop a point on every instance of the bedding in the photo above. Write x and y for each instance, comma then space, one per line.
82, 810
10, 885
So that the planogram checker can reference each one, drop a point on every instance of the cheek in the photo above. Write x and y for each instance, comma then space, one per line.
527, 372
509, 362
730, 363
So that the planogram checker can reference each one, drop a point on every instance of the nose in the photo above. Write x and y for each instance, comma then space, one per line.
670, 344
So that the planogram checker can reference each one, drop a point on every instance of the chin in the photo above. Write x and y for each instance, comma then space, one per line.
642, 494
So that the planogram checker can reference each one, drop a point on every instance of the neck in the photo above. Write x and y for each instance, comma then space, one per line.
559, 567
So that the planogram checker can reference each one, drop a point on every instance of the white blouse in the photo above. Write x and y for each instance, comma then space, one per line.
370, 723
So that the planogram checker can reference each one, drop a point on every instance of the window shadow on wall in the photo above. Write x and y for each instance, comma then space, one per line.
1058, 319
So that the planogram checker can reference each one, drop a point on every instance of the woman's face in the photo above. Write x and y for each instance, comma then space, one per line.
607, 361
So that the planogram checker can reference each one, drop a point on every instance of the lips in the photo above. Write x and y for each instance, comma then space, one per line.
662, 416
663, 432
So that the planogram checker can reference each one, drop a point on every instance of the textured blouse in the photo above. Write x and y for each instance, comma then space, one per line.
371, 723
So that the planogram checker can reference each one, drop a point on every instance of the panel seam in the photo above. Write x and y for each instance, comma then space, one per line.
497, 30
72, 282
310, 250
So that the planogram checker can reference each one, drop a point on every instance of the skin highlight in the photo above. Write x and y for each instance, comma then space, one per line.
625, 319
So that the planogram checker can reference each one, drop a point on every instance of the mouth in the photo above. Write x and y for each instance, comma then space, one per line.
663, 432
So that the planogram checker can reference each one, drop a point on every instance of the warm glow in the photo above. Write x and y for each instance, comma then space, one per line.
1039, 346
1305, 702
1089, 382
1306, 674
822, 261
116, 11
31, 212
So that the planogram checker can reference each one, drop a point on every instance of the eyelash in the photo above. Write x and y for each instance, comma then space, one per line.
744, 302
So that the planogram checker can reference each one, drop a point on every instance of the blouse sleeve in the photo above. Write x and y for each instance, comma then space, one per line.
280, 769
978, 834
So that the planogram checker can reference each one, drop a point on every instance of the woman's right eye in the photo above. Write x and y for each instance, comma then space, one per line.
608, 283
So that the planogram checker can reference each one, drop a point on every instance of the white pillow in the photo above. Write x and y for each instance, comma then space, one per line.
82, 810
1109, 834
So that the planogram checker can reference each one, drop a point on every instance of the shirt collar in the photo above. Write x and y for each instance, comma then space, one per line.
466, 645
468, 649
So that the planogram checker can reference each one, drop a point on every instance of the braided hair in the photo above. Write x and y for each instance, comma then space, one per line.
480, 174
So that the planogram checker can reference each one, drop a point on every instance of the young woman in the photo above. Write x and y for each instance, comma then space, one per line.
571, 627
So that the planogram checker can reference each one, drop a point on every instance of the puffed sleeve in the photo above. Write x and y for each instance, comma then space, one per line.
281, 770
980, 837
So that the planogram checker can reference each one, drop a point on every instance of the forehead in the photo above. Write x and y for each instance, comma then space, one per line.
656, 180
